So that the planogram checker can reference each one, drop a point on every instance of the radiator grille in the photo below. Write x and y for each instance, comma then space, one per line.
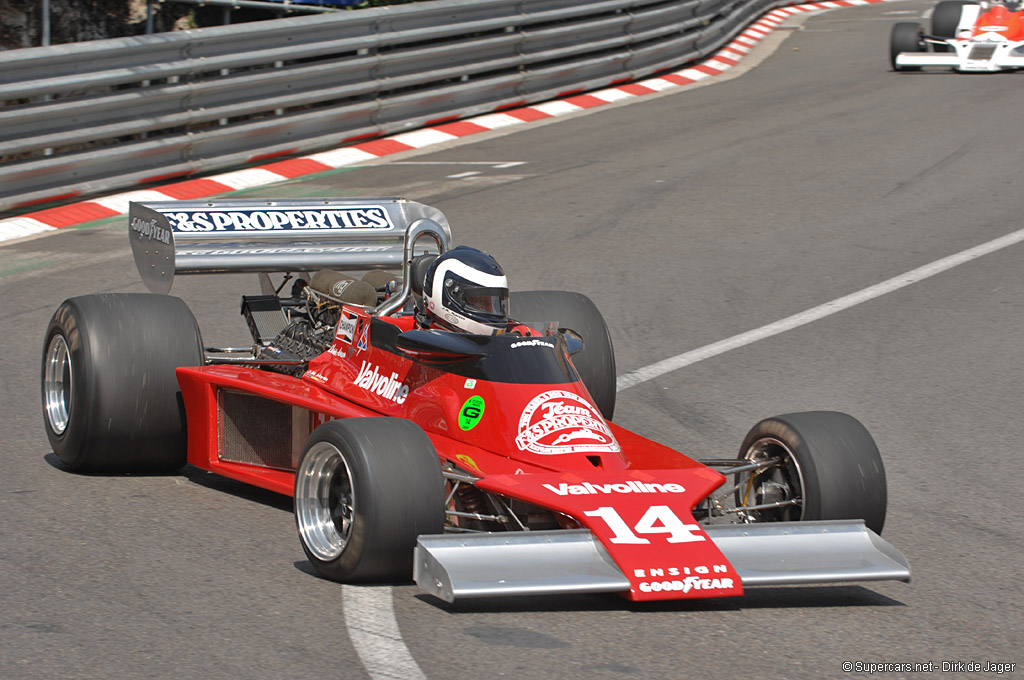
982, 52
254, 430
264, 316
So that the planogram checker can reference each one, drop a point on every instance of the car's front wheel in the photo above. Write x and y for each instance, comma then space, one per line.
365, 489
905, 37
819, 465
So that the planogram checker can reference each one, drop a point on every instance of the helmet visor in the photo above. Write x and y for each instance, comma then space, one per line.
487, 301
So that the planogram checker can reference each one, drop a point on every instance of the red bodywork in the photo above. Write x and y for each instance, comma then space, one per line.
999, 19
545, 444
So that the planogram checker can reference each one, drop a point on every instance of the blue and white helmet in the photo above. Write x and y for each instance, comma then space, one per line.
466, 290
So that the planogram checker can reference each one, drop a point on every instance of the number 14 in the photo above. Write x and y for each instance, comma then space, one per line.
659, 519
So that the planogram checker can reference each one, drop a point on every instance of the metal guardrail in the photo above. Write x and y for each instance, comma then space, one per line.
95, 116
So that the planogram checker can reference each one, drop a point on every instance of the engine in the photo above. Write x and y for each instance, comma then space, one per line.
289, 332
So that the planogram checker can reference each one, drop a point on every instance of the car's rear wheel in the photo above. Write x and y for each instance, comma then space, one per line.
905, 37
596, 361
365, 489
111, 401
820, 465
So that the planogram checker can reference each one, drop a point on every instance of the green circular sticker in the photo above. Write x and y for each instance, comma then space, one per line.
471, 413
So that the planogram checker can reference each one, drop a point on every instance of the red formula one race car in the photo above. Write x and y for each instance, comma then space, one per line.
966, 36
430, 425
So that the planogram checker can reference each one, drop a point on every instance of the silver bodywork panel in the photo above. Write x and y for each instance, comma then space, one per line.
515, 563
452, 566
258, 235
789, 553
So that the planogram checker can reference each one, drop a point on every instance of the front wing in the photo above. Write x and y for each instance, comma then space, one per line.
452, 566
639, 537
982, 56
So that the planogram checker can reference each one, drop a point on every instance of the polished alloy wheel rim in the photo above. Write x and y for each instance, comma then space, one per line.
786, 477
57, 376
324, 501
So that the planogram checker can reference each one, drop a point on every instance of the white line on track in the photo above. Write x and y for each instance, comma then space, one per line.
494, 164
655, 370
373, 630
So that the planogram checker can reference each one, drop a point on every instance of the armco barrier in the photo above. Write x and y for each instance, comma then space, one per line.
106, 114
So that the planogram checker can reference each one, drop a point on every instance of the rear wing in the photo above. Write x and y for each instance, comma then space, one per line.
260, 235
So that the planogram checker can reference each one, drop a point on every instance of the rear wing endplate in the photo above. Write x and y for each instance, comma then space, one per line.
259, 235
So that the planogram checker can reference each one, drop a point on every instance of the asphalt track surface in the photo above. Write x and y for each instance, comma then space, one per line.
689, 219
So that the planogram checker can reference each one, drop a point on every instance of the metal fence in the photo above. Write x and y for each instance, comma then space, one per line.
100, 115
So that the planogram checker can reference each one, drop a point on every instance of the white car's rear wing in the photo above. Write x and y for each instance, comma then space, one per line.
258, 235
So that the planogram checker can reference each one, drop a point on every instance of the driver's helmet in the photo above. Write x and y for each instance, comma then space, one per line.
466, 290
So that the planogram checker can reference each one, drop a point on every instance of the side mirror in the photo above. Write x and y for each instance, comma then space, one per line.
573, 340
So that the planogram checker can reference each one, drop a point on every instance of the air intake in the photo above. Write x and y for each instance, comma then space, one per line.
254, 430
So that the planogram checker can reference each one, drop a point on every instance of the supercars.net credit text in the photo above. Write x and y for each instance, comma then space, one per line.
993, 667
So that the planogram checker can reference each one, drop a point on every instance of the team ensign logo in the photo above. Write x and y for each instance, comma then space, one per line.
557, 422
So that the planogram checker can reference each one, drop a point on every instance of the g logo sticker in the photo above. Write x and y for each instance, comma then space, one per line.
471, 412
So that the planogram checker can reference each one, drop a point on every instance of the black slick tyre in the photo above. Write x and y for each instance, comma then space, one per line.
905, 37
945, 19
111, 401
365, 489
596, 361
829, 462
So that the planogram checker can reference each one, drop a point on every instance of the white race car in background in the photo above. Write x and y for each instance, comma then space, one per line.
966, 36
